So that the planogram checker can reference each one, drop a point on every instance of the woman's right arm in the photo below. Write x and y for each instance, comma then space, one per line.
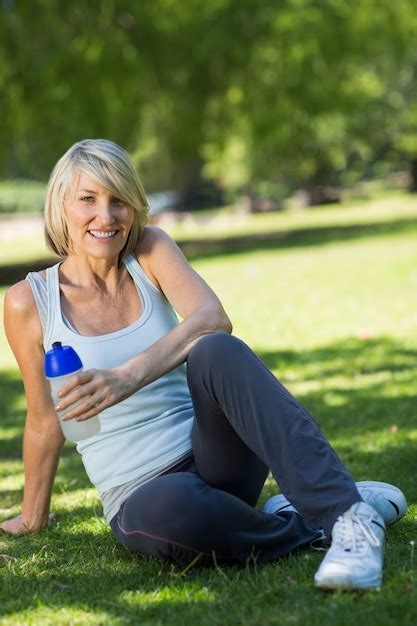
43, 439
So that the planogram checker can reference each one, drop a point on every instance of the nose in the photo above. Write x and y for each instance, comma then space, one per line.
105, 212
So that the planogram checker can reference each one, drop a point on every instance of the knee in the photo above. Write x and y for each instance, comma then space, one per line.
164, 519
219, 348
163, 506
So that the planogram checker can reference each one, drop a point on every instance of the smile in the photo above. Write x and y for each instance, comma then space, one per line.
101, 234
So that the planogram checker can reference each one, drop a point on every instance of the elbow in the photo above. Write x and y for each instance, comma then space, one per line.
44, 429
222, 322
228, 326
212, 319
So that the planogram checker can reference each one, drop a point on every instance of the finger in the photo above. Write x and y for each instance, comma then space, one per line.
95, 410
88, 405
79, 379
82, 392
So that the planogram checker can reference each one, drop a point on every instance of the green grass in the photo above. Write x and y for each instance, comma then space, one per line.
229, 222
335, 318
21, 196
22, 249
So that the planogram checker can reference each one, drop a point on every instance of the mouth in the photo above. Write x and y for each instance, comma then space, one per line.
103, 234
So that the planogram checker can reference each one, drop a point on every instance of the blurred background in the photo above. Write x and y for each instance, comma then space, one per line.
227, 101
277, 143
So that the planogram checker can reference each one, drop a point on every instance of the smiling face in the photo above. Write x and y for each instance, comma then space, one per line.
98, 222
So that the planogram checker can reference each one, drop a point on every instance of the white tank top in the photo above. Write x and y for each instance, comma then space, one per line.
148, 432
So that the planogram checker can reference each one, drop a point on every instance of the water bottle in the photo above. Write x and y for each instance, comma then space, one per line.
61, 363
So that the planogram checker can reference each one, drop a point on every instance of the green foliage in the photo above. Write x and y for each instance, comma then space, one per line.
296, 92
21, 196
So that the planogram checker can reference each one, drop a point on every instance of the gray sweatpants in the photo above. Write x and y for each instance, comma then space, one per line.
246, 422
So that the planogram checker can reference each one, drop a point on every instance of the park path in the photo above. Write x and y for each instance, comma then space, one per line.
198, 248
13, 225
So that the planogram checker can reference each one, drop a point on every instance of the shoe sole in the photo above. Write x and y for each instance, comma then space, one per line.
342, 583
390, 492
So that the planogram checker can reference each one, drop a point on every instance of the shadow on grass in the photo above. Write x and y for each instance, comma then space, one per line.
308, 237
365, 399
362, 386
209, 247
365, 402
91, 573
11, 393
346, 357
104, 589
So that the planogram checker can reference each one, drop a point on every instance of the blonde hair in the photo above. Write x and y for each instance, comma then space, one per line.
110, 166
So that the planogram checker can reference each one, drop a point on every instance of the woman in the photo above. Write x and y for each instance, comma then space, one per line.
182, 453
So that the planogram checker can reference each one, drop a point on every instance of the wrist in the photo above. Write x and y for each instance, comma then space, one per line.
131, 373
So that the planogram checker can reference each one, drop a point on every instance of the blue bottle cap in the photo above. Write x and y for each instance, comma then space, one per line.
61, 360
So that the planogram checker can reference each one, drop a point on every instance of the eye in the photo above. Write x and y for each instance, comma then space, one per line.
117, 201
88, 199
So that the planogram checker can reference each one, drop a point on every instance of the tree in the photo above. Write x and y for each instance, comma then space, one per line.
236, 91
322, 97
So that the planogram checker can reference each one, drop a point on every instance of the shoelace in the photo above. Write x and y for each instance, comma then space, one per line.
346, 537
321, 544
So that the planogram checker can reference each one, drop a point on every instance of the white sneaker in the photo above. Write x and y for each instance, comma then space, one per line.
355, 557
277, 504
386, 499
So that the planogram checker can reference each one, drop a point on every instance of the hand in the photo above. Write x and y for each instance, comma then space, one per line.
17, 526
94, 390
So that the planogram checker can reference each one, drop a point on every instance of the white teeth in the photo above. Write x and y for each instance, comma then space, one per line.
103, 234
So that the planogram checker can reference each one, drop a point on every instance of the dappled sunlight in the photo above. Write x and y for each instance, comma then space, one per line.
12, 398
82, 522
334, 318
96, 608
353, 389
347, 356
377, 442
51, 616
187, 593
7, 434
11, 477
68, 500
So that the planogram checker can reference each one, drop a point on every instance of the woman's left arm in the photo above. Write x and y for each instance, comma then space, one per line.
194, 301
191, 297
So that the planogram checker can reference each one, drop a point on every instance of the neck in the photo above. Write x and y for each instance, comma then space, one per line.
87, 271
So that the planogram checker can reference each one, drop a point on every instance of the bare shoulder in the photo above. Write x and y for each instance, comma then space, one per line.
156, 248
20, 311
152, 237
19, 298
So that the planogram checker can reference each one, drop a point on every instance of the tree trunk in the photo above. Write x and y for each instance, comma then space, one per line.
413, 173
195, 192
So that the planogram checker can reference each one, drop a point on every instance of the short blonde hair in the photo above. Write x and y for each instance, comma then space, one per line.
110, 166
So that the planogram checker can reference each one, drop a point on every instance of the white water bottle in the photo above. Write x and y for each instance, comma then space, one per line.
61, 363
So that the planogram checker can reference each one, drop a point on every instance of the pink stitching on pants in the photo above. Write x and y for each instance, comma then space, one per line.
176, 543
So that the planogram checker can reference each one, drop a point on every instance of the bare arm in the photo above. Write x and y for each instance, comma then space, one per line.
43, 438
190, 296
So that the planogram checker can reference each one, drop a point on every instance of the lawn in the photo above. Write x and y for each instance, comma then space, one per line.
335, 318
